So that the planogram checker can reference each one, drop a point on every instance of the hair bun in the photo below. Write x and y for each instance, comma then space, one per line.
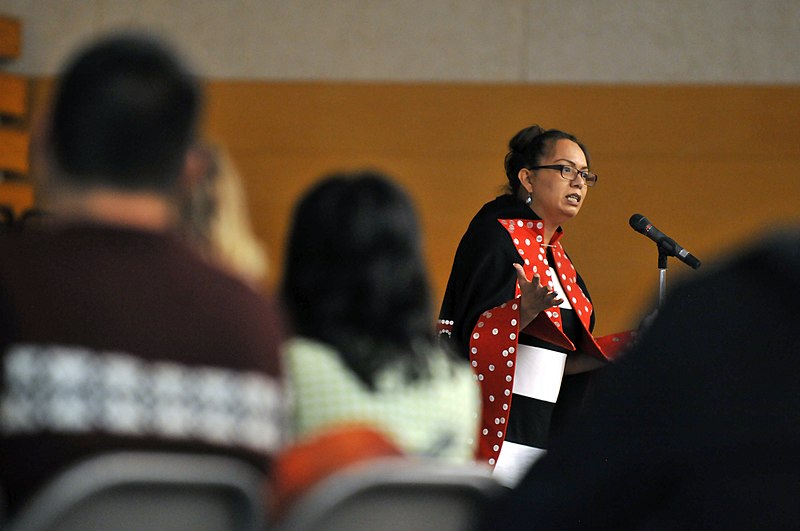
522, 140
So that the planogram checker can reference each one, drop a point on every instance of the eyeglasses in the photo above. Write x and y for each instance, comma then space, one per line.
569, 173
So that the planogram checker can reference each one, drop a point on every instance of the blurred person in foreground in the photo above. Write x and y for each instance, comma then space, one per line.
698, 426
114, 334
364, 352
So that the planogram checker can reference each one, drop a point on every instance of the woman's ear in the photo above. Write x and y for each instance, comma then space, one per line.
525, 177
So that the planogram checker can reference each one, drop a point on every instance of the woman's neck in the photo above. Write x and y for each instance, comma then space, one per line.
549, 227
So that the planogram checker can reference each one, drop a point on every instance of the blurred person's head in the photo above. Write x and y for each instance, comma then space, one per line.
124, 114
354, 274
213, 214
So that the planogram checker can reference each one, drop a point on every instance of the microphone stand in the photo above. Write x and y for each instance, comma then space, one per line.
663, 254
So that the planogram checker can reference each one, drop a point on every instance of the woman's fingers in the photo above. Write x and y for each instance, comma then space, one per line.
535, 297
533, 286
521, 278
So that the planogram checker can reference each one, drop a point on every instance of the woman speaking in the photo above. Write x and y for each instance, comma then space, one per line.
516, 306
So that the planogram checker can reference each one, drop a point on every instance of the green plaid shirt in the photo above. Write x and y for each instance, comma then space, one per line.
435, 416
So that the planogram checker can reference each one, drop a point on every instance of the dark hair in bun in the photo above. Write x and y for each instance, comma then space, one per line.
528, 147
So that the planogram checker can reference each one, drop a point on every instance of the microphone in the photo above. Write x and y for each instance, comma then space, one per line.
641, 224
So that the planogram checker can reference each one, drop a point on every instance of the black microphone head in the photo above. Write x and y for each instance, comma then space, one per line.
639, 223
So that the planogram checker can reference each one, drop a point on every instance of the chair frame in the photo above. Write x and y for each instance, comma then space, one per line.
395, 474
102, 474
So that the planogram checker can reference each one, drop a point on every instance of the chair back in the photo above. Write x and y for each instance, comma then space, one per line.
129, 491
394, 494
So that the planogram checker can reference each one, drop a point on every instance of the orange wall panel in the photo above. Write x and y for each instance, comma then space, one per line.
18, 196
712, 166
13, 95
14, 150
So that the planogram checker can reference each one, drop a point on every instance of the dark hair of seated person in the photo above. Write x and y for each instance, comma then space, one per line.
125, 113
355, 276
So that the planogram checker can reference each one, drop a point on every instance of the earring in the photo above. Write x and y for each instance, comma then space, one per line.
528, 199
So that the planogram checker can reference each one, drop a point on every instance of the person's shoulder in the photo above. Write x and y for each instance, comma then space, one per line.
446, 366
775, 256
453, 381
14, 240
228, 285
22, 252
485, 225
248, 317
313, 365
734, 285
303, 351
781, 252
243, 305
217, 282
503, 206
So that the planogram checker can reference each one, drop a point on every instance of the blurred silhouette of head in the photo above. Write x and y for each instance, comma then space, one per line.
354, 273
124, 114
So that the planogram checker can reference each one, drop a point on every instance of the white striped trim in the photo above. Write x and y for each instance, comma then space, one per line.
64, 389
559, 289
514, 460
539, 372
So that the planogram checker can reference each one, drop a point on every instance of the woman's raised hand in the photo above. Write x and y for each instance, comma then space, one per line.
534, 297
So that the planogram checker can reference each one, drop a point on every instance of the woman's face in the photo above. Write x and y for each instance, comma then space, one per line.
554, 198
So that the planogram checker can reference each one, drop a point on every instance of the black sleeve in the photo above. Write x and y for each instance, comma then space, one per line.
482, 277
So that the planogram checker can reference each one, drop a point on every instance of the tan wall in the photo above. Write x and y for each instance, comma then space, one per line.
485, 41
710, 166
